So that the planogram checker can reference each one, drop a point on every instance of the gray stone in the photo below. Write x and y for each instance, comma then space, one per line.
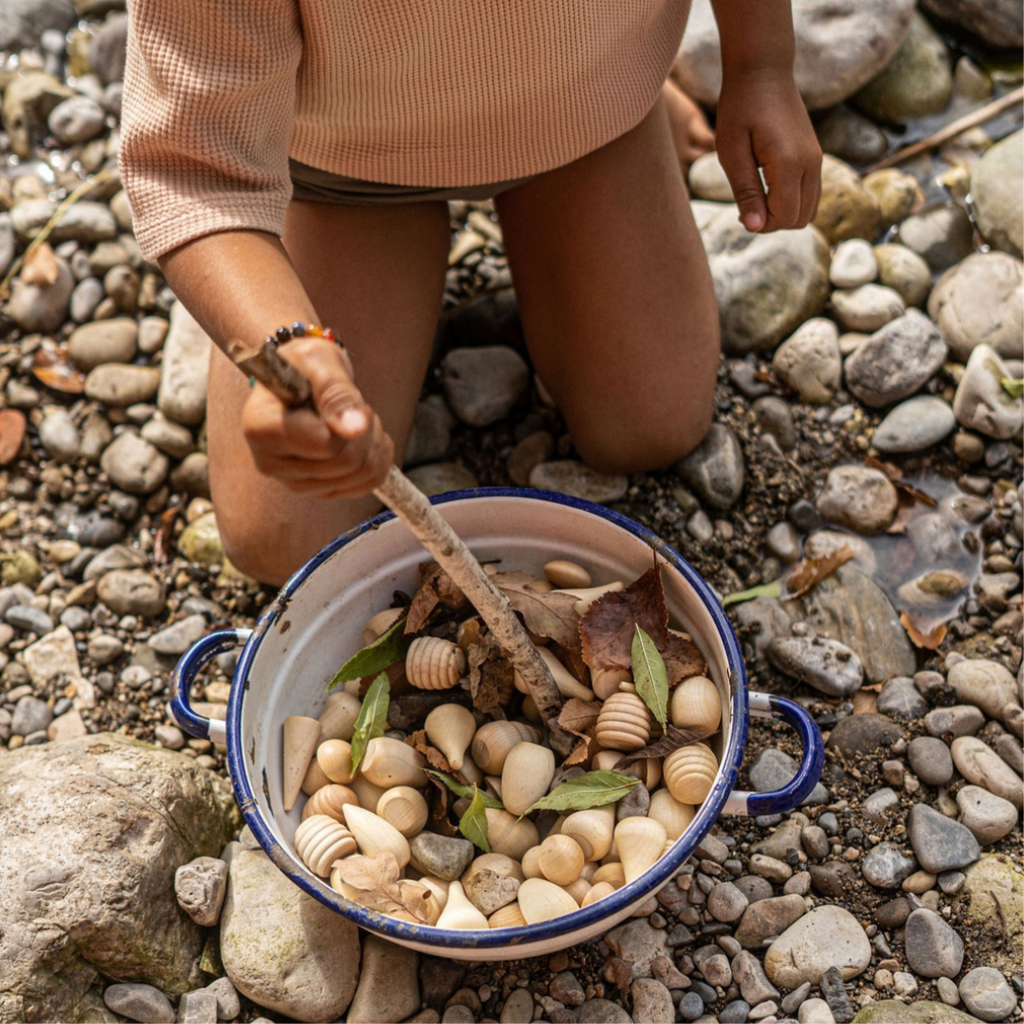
766, 285
570, 476
783, 543
117, 556
431, 431
228, 1004
858, 497
105, 858
981, 402
772, 770
106, 341
940, 843
200, 887
23, 22
981, 765
987, 995
879, 804
107, 48
104, 648
443, 857
775, 418
989, 817
388, 984
905, 271
441, 477
192, 475
885, 866
30, 715
281, 948
914, 425
638, 943
518, 1008
726, 902
845, 134
54, 657
942, 234
139, 1002
197, 1007
754, 985
933, 949
827, 665
899, 698
26, 617
715, 468
993, 899
482, 385
76, 119
120, 385
827, 542
184, 369
896, 1011
85, 221
997, 184
808, 361
171, 438
853, 264
931, 761
768, 918
131, 592
838, 50
896, 361
604, 1011
41, 307
133, 464
708, 180
981, 302
867, 308
985, 684
652, 1003
179, 636
826, 937
998, 22
59, 435
959, 720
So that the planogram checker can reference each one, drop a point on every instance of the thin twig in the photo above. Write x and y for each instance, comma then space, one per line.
399, 494
951, 131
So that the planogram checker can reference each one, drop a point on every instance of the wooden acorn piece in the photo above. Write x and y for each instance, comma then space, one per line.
696, 704
320, 841
405, 808
380, 624
494, 740
374, 835
592, 829
624, 723
338, 717
451, 729
526, 775
561, 860
335, 760
300, 739
459, 912
432, 663
597, 892
541, 900
675, 816
508, 916
329, 800
531, 863
510, 835
389, 762
568, 575
690, 773
640, 842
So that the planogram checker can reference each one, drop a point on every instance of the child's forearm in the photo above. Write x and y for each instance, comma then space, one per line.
755, 35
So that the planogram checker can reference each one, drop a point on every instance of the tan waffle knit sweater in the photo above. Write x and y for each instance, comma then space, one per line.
438, 93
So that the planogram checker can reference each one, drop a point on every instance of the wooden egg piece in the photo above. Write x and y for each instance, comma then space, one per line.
526, 775
315, 778
531, 863
592, 829
696, 704
405, 808
604, 682
432, 663
568, 685
690, 773
320, 841
675, 816
640, 842
508, 916
567, 575
510, 835
389, 762
369, 795
541, 900
597, 892
451, 729
459, 912
374, 835
301, 735
561, 860
338, 717
578, 889
624, 723
330, 800
380, 624
614, 874
494, 740
335, 760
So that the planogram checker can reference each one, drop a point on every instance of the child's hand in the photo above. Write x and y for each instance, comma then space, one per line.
338, 451
762, 123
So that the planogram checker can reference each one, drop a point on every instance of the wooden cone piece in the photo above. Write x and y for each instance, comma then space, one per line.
301, 735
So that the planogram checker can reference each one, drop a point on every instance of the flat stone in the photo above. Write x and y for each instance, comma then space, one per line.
958, 720
858, 497
59, 435
68, 726
931, 760
863, 734
853, 264
993, 899
30, 715
197, 1007
118, 385
914, 425
987, 995
442, 856
878, 806
826, 542
85, 221
867, 308
184, 369
748, 973
885, 866
715, 469
899, 698
981, 402
895, 1011
139, 1002
179, 636
980, 764
133, 464
572, 477
940, 843
772, 769
768, 918
652, 1003
388, 985
29, 618
41, 307
726, 902
442, 477
482, 385
131, 592
200, 886
933, 949
431, 431
825, 937
808, 361
942, 234
638, 943
824, 664
989, 817
899, 267
604, 1011
228, 1004
53, 657
171, 438
518, 1008
985, 684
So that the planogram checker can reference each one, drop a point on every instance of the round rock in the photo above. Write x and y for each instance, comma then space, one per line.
483, 384
904, 271
808, 361
989, 817
885, 866
985, 684
131, 592
997, 184
932, 762
119, 385
981, 402
914, 425
826, 937
715, 469
939, 843
981, 765
933, 949
106, 341
442, 856
76, 119
853, 264
986, 994
858, 497
133, 464
942, 234
867, 308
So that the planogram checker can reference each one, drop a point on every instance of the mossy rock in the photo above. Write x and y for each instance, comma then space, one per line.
993, 898
892, 1011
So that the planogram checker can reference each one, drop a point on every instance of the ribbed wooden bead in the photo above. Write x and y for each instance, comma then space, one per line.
690, 773
624, 723
329, 800
432, 663
696, 704
320, 841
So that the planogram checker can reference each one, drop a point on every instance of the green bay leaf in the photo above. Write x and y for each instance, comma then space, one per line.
388, 648
473, 824
462, 789
591, 790
372, 720
649, 675
764, 590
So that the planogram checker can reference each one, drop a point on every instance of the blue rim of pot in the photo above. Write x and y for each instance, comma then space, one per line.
455, 939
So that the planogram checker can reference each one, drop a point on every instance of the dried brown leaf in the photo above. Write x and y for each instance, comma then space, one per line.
572, 659
436, 587
489, 672
40, 267
580, 754
608, 628
682, 659
673, 739
376, 885
552, 614
907, 493
864, 702
363, 872
12, 433
419, 742
163, 542
52, 366
579, 716
811, 571
928, 637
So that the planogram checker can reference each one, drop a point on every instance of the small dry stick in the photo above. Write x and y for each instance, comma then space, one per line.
951, 131
399, 494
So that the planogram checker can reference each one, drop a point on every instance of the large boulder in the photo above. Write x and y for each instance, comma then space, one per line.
93, 830
998, 22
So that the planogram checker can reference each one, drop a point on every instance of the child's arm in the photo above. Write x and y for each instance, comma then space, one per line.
762, 121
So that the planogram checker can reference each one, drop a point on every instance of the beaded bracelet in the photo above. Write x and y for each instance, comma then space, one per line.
300, 330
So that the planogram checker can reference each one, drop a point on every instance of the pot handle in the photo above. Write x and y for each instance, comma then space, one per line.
768, 705
189, 666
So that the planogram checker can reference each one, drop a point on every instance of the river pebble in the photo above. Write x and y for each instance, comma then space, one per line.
933, 948
570, 476
996, 184
986, 994
981, 402
808, 361
940, 843
144, 1003
914, 425
827, 665
858, 497
989, 817
985, 684
905, 271
885, 866
483, 384
827, 936
943, 235
899, 698
853, 264
931, 760
867, 308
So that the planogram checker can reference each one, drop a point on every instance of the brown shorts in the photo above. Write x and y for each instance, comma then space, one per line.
316, 186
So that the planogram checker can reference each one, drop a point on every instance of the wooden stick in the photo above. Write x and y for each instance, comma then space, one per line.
400, 495
951, 131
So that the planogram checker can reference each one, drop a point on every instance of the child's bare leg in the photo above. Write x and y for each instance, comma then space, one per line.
691, 133
376, 275
616, 299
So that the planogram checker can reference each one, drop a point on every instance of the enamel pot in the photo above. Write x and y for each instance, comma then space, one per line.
314, 625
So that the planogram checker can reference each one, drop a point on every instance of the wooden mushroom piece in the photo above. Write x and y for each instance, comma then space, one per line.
321, 840
405, 808
432, 663
494, 740
301, 735
451, 728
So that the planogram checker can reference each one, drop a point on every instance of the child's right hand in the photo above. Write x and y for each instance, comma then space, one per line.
339, 449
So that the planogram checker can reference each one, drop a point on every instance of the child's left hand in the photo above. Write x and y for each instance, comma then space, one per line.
762, 122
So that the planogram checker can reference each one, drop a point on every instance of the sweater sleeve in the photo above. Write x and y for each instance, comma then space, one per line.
208, 106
